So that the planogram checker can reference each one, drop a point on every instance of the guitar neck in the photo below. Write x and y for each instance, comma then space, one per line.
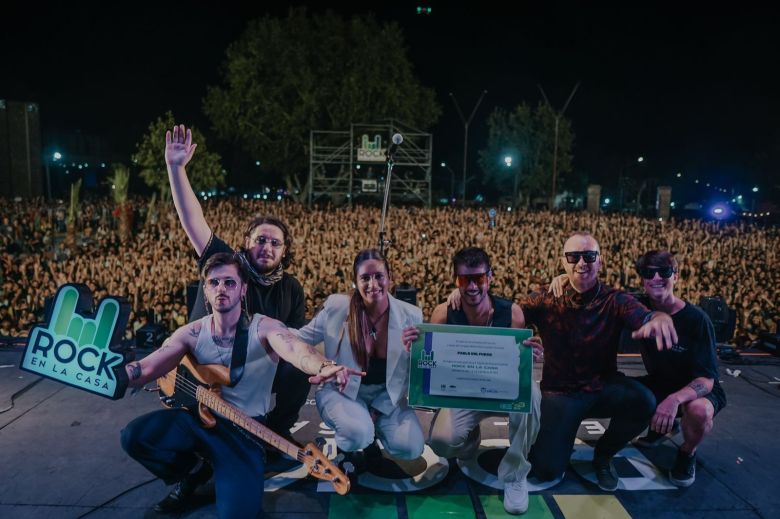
244, 421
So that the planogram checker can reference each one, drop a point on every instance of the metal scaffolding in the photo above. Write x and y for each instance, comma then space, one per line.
350, 166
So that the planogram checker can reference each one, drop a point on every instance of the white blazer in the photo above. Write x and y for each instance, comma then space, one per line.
330, 326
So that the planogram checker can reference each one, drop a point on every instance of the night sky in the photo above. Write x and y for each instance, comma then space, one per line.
691, 91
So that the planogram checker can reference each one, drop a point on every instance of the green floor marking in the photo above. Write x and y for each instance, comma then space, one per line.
595, 507
494, 507
431, 507
363, 506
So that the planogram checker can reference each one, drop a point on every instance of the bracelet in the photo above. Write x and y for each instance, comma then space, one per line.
325, 364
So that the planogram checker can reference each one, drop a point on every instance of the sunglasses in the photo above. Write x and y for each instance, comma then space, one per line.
463, 280
262, 240
588, 255
229, 283
649, 272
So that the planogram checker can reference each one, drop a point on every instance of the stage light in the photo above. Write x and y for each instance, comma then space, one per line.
720, 211
755, 189
257, 163
607, 201
679, 175
57, 155
508, 161
640, 159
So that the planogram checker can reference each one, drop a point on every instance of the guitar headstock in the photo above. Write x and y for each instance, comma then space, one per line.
322, 468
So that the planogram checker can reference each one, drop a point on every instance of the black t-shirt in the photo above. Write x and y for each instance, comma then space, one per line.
284, 300
693, 356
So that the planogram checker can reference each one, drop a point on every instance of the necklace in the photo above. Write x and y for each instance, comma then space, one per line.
222, 342
373, 333
574, 304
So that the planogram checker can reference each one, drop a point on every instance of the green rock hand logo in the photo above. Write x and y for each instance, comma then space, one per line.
74, 348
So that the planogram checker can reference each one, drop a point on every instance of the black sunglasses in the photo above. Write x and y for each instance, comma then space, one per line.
649, 272
588, 255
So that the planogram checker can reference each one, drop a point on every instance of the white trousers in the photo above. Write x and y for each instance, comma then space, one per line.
399, 431
455, 433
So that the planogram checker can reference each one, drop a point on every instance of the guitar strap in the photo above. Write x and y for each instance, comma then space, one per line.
240, 344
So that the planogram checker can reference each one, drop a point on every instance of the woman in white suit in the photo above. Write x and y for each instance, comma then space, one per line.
363, 331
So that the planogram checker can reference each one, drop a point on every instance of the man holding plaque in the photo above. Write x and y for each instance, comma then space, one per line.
581, 331
456, 432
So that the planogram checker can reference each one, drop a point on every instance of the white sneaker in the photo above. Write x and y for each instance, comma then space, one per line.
516, 497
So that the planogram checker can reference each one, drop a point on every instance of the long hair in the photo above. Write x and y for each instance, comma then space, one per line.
357, 321
289, 255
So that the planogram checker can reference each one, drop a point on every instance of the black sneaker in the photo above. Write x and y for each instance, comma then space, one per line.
180, 497
605, 473
683, 472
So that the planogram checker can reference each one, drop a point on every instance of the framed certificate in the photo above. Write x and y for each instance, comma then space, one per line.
471, 367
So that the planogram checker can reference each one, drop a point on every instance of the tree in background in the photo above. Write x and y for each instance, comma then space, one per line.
120, 181
285, 77
528, 136
204, 170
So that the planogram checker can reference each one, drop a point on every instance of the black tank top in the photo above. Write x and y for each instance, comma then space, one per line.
502, 314
376, 372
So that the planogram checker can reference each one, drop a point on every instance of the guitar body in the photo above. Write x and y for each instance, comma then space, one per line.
176, 387
191, 386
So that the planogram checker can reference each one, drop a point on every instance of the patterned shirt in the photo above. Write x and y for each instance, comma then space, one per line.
581, 333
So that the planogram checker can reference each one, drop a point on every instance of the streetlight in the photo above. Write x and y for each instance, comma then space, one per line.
452, 180
466, 123
555, 152
54, 158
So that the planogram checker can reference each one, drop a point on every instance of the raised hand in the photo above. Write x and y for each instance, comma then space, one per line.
179, 147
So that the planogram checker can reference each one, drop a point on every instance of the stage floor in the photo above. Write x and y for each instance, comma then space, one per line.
60, 458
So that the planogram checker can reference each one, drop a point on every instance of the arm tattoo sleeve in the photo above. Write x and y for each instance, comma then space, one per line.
699, 388
135, 371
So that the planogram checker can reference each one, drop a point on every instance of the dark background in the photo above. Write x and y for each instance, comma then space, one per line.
692, 91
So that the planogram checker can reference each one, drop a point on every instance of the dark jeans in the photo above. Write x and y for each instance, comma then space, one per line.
291, 386
165, 442
627, 402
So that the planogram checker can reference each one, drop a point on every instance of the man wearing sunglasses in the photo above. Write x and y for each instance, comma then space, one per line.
266, 252
581, 332
684, 379
456, 432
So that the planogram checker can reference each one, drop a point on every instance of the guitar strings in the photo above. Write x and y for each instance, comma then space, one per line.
191, 388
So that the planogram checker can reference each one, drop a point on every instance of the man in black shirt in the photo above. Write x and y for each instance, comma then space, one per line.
266, 252
684, 378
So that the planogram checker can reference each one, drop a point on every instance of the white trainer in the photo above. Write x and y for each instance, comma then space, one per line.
516, 497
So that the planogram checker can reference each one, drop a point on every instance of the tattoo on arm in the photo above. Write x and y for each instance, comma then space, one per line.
699, 388
135, 370
195, 330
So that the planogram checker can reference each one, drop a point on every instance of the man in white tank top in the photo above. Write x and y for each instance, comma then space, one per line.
164, 441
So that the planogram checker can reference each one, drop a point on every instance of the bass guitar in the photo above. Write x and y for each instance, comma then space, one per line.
195, 387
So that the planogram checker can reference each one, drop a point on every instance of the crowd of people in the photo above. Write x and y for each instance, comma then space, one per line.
154, 266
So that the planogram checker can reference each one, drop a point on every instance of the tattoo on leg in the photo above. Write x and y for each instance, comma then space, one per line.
135, 371
700, 389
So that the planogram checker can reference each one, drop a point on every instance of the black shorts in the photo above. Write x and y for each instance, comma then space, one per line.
716, 397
